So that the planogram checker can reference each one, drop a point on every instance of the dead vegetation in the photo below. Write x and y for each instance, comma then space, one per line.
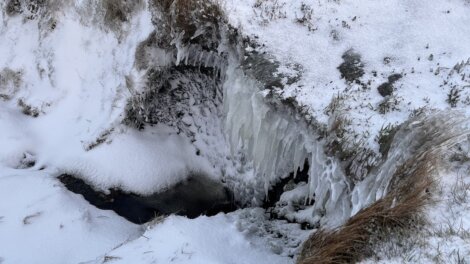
119, 11
460, 191
398, 212
307, 17
108, 258
13, 7
191, 20
389, 104
345, 143
269, 10
385, 138
453, 97
29, 219
10, 82
352, 68
182, 23
32, 9
424, 141
102, 138
28, 109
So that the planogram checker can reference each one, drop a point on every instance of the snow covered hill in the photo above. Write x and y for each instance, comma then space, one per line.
309, 115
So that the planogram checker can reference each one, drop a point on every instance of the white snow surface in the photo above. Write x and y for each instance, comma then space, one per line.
42, 222
203, 240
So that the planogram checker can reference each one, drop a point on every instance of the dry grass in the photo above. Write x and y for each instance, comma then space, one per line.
192, 13
29, 219
119, 11
32, 9
28, 109
399, 210
10, 83
460, 191
186, 16
13, 7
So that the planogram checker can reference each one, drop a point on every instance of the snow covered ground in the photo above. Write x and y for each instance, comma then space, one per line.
64, 87
71, 81
420, 40
74, 78
446, 236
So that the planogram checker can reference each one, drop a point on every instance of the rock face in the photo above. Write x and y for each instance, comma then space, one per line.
196, 196
386, 89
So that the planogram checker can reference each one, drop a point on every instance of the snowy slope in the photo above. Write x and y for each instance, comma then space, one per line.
420, 40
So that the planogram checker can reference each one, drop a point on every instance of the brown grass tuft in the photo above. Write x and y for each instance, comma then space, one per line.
400, 210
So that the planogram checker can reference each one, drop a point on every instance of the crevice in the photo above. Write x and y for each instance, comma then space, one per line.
276, 190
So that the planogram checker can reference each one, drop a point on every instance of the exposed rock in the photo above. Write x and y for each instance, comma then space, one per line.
394, 77
352, 68
386, 89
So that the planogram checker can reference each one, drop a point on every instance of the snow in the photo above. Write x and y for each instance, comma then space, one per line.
45, 223
74, 78
202, 240
42, 222
138, 162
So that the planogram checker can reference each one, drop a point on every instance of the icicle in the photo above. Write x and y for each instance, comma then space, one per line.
276, 143
181, 54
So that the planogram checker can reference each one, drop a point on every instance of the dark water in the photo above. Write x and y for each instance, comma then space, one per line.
193, 197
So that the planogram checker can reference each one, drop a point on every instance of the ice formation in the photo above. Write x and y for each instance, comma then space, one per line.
277, 143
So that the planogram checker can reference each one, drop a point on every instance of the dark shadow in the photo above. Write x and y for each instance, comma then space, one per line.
193, 197
275, 192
